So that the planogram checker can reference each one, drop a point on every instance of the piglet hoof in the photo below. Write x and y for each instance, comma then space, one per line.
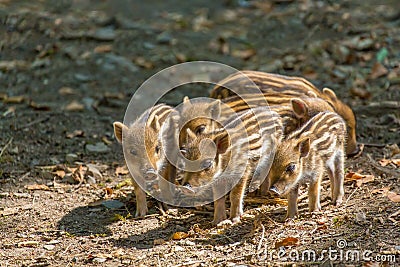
289, 218
225, 224
338, 202
236, 219
141, 212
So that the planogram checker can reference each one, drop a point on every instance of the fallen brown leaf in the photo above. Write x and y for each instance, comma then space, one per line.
76, 133
396, 162
103, 49
378, 70
123, 170
359, 178
360, 92
37, 106
37, 187
59, 173
28, 244
393, 196
179, 235
79, 174
385, 162
108, 191
106, 141
287, 242
382, 190
244, 54
142, 62
14, 99
353, 176
66, 91
74, 106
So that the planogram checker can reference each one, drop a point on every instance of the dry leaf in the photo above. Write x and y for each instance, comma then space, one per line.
353, 176
384, 162
76, 133
78, 175
179, 235
360, 92
288, 241
14, 99
109, 191
113, 95
359, 178
103, 49
142, 62
392, 150
28, 244
66, 91
244, 54
106, 141
378, 70
37, 187
371, 264
396, 162
74, 106
37, 106
123, 170
381, 190
393, 196
59, 173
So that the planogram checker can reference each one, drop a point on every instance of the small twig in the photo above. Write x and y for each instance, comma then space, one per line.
65, 250
262, 238
347, 200
34, 122
188, 263
6, 145
395, 214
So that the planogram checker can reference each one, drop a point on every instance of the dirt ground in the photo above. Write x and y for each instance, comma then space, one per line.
68, 70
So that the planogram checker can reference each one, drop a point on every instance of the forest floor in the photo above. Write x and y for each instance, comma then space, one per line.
68, 70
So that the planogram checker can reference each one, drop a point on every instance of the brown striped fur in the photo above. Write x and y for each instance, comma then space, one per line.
231, 149
246, 81
304, 155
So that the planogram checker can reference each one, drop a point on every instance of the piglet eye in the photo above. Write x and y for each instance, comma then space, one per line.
290, 168
200, 129
133, 152
157, 149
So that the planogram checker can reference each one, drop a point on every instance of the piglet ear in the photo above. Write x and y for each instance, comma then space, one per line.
186, 100
312, 94
215, 109
190, 134
304, 147
330, 94
155, 124
300, 108
118, 128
